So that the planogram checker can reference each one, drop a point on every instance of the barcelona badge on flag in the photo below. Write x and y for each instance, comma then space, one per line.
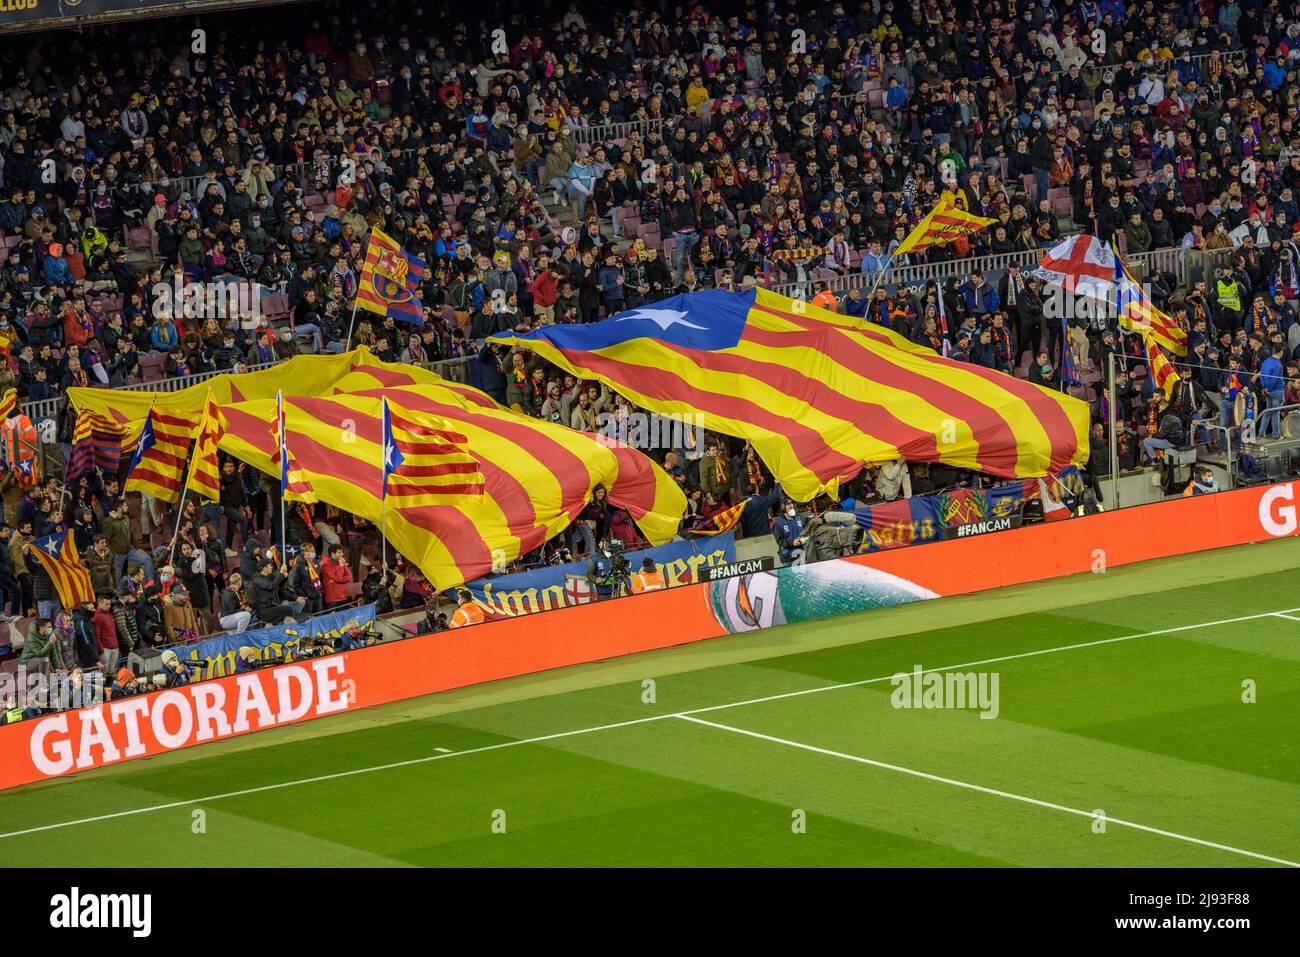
390, 279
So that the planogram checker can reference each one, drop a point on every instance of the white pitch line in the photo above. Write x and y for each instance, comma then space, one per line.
619, 724
1278, 614
995, 792
443, 750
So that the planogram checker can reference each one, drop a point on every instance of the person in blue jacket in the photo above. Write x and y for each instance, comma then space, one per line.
789, 534
1273, 381
980, 296
55, 270
754, 517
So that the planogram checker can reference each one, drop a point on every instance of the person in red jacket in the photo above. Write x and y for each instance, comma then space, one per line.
336, 577
546, 290
78, 326
106, 633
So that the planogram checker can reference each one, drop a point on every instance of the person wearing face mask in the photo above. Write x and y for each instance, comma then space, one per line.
1040, 155
305, 580
789, 534
1110, 218
41, 652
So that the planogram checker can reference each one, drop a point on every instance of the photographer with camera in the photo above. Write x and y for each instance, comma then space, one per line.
469, 611
354, 636
434, 620
174, 672
608, 572
377, 589
125, 684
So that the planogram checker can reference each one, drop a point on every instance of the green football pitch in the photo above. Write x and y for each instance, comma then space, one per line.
1147, 716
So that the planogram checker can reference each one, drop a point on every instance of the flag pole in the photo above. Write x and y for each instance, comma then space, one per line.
180, 514
284, 469
351, 324
889, 264
283, 559
1114, 449
384, 439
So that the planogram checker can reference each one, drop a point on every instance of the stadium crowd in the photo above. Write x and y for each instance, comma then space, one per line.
589, 160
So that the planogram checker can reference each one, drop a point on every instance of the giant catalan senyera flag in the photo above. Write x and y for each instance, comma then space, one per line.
942, 225
58, 556
390, 280
535, 476
819, 395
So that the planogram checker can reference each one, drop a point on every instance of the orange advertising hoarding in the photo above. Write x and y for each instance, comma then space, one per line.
145, 725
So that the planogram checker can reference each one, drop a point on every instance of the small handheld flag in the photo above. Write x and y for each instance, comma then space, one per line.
204, 477
390, 279
294, 484
942, 225
58, 556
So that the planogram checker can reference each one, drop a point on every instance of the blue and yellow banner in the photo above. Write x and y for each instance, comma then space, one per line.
556, 586
217, 655
957, 513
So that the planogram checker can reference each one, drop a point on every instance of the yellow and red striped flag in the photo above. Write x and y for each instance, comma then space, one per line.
1163, 374
390, 280
58, 556
720, 522
295, 485
205, 474
942, 225
536, 475
818, 396
8, 403
1138, 314
430, 459
162, 450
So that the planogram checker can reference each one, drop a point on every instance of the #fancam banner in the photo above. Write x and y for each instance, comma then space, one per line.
556, 586
216, 655
956, 514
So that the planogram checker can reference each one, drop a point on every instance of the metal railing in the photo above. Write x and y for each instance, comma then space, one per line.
1172, 259
1201, 61
604, 132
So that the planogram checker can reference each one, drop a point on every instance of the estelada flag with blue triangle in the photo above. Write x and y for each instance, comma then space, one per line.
817, 394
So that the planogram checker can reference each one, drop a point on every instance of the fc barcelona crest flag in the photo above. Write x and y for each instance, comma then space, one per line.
390, 280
